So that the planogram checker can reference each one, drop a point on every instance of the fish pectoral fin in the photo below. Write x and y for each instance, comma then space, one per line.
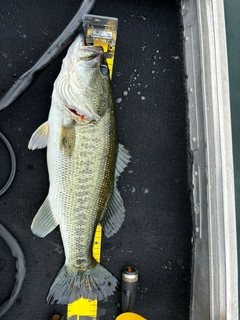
114, 216
123, 158
39, 138
44, 221
67, 139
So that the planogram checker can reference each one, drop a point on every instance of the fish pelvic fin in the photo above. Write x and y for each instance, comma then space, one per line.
112, 219
95, 283
40, 137
44, 221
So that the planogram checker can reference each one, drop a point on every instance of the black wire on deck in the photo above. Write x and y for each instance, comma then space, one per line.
66, 37
13, 164
20, 266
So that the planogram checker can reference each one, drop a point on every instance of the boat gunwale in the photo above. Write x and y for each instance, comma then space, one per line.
214, 293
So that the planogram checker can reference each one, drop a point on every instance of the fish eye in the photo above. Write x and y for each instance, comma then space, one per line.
104, 69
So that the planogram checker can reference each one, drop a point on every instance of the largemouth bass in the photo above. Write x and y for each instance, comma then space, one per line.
84, 161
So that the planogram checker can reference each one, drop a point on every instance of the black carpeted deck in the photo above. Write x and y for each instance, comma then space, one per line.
156, 235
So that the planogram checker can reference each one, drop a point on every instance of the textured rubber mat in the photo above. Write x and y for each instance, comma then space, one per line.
148, 83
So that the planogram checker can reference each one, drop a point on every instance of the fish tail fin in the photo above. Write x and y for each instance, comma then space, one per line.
94, 283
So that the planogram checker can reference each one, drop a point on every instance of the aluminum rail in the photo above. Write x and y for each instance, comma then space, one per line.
214, 275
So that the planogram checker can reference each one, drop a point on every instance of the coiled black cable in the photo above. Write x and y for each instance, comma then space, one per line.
20, 266
13, 164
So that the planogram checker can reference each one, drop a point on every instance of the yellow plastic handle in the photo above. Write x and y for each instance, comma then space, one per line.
130, 316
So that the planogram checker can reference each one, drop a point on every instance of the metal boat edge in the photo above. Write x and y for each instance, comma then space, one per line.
214, 288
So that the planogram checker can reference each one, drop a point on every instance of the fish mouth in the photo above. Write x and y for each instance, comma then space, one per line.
89, 53
82, 53
86, 53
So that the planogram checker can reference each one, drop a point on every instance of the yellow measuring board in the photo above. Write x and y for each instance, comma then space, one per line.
99, 31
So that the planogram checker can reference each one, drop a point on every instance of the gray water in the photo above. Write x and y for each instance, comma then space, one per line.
232, 16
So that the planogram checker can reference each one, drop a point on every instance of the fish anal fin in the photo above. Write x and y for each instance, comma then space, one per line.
40, 137
113, 217
44, 222
123, 158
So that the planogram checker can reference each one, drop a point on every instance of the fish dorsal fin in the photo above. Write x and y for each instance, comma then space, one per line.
123, 158
39, 137
114, 215
44, 222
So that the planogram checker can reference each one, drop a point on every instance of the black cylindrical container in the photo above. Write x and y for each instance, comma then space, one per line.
129, 288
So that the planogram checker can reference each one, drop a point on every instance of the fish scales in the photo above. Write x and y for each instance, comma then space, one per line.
84, 162
83, 196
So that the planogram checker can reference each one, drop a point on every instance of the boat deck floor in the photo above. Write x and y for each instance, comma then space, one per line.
156, 234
